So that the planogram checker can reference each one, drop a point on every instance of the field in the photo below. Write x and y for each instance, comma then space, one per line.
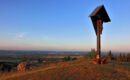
74, 70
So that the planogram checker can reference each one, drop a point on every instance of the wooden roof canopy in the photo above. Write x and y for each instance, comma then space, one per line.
99, 14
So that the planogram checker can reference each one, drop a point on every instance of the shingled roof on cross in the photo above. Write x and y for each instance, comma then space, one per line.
99, 14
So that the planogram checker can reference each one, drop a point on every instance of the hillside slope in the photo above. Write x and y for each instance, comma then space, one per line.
74, 70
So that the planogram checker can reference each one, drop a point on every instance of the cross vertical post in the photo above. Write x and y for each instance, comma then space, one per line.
98, 40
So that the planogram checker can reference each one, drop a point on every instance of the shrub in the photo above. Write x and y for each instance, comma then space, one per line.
128, 57
91, 54
74, 58
110, 56
67, 58
1, 67
40, 60
123, 57
6, 67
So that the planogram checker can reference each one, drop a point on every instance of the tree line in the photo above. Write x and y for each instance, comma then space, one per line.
122, 57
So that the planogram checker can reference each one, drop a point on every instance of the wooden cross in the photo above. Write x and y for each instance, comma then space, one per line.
98, 16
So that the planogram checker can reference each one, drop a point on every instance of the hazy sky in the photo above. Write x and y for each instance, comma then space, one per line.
62, 25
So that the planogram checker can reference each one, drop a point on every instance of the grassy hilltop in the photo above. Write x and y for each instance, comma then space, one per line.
74, 70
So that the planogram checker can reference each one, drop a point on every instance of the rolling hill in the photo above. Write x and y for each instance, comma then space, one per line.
74, 70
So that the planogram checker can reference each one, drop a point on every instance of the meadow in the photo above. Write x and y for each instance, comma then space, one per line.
72, 68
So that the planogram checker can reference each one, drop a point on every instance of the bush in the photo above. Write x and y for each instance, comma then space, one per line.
40, 60
6, 67
123, 57
67, 58
1, 67
74, 58
89, 55
110, 56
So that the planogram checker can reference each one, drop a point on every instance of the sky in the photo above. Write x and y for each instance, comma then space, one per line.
62, 25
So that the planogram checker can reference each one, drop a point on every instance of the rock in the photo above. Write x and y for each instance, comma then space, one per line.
22, 67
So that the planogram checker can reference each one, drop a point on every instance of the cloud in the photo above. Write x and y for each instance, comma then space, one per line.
20, 35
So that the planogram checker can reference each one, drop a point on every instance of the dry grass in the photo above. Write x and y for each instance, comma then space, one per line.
73, 70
